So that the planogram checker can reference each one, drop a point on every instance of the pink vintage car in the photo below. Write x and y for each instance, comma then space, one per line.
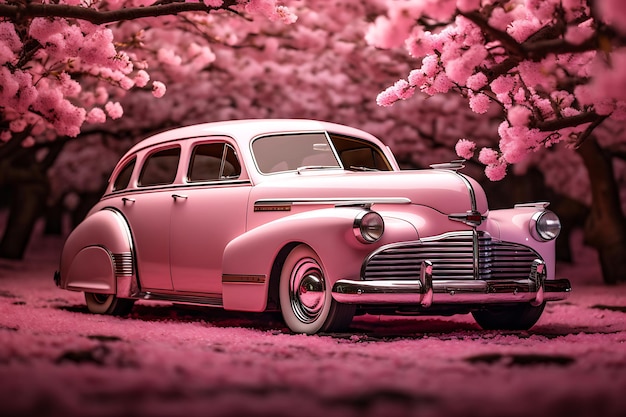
310, 218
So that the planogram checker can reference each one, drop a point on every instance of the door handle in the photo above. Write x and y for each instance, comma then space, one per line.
177, 196
127, 200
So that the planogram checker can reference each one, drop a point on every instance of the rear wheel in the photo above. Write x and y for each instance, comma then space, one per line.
108, 304
518, 317
306, 302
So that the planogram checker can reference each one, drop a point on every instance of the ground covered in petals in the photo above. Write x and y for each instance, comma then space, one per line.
56, 359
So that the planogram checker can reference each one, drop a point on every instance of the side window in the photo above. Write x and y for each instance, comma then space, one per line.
232, 168
123, 178
160, 168
212, 162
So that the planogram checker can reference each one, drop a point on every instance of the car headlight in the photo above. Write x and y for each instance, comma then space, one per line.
545, 225
368, 226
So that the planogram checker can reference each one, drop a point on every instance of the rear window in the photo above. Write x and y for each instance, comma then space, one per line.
160, 168
123, 178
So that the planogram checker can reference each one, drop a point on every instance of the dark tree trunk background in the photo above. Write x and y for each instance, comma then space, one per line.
605, 228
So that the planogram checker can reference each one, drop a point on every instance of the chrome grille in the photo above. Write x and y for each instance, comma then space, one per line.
123, 264
452, 258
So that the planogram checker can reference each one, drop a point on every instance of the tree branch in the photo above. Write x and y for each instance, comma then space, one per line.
557, 124
31, 10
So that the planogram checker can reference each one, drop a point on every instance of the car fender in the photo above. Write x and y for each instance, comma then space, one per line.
98, 256
248, 259
514, 226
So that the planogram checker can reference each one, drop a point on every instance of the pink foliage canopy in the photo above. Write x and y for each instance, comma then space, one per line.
59, 68
556, 67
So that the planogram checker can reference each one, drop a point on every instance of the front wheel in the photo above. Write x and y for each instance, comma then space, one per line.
306, 301
108, 304
518, 317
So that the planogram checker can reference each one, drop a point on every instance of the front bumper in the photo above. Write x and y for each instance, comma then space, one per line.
425, 291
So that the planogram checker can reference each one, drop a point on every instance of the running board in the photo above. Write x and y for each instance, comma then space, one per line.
213, 300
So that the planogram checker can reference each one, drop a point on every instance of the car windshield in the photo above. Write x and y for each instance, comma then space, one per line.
291, 152
318, 150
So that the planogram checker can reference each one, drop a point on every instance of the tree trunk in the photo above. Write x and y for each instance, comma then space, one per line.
27, 202
605, 228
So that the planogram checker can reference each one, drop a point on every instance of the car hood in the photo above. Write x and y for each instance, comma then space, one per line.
443, 190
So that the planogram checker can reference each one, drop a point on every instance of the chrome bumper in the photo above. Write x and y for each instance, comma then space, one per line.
424, 291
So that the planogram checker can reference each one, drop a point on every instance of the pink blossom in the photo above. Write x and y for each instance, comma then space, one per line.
98, 48
28, 142
17, 125
168, 57
521, 30
126, 83
417, 78
68, 118
417, 43
384, 33
467, 5
442, 84
114, 110
158, 89
502, 85
477, 81
213, 3
96, 115
496, 172
613, 12
479, 103
9, 37
541, 9
519, 116
142, 78
465, 148
387, 97
488, 156
403, 90
430, 65
5, 136
69, 87
101, 95
578, 34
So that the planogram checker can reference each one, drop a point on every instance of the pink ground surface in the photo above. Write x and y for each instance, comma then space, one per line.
165, 360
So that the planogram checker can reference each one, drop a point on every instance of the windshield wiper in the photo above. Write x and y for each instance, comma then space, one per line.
359, 168
313, 167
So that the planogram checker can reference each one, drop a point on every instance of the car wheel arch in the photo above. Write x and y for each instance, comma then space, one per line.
95, 239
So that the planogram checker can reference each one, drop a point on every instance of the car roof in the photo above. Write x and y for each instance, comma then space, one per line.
245, 130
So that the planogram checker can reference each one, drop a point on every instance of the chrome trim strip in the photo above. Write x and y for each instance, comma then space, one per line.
540, 205
339, 201
243, 279
213, 300
448, 291
199, 184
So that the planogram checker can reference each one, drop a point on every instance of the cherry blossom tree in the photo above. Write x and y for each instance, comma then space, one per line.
62, 67
555, 68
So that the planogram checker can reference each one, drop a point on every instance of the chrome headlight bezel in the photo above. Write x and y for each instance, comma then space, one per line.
545, 226
368, 226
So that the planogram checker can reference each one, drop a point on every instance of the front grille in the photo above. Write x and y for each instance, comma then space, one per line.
452, 258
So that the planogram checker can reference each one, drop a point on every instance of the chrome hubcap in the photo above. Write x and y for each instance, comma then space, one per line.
307, 290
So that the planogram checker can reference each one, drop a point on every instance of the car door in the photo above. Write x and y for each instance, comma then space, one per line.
148, 213
208, 213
